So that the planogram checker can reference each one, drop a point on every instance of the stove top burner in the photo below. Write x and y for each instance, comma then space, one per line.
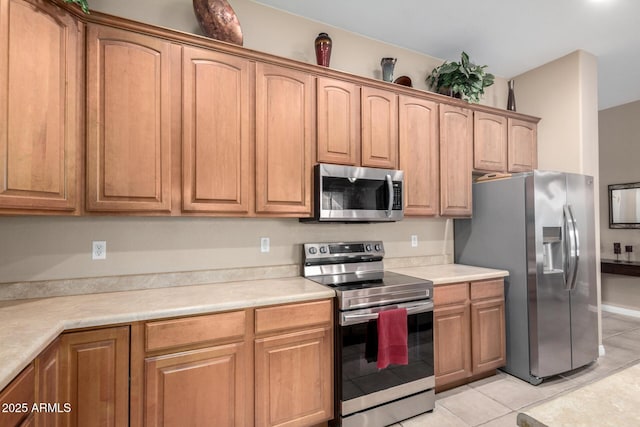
360, 281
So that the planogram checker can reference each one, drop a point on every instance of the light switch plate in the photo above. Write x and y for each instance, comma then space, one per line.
264, 244
414, 240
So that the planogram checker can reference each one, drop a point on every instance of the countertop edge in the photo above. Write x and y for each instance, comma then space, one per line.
15, 361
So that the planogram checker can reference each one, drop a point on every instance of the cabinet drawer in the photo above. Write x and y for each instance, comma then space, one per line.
450, 294
19, 392
292, 316
487, 289
194, 330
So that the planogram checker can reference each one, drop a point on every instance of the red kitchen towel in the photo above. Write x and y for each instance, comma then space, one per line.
392, 338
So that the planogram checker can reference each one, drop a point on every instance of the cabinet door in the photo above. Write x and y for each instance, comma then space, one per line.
201, 388
293, 378
379, 128
48, 367
338, 121
489, 142
523, 145
284, 141
21, 393
129, 121
456, 142
95, 377
217, 139
487, 335
419, 155
40, 108
452, 343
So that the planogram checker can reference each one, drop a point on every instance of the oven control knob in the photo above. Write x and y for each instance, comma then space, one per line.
323, 249
378, 248
312, 250
368, 248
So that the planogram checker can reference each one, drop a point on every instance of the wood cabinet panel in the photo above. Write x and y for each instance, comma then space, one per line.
469, 334
129, 121
487, 289
457, 293
284, 140
488, 335
95, 373
523, 145
19, 391
419, 155
294, 378
489, 142
379, 128
203, 387
456, 142
338, 121
452, 343
48, 368
164, 334
41, 108
293, 316
217, 128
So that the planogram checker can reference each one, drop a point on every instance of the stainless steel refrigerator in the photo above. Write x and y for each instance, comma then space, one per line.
540, 227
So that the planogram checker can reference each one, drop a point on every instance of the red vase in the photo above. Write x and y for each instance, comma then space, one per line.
323, 49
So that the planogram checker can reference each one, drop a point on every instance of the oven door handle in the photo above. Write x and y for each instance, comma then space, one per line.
412, 308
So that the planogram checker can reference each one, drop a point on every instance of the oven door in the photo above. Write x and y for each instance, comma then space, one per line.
363, 384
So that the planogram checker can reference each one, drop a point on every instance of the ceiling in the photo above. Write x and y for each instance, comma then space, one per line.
510, 36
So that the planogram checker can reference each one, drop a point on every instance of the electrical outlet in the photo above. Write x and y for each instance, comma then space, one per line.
99, 249
264, 244
414, 240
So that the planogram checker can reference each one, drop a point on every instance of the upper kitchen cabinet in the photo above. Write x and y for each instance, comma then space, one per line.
129, 123
285, 132
489, 142
217, 128
419, 155
456, 145
40, 109
523, 145
379, 128
338, 121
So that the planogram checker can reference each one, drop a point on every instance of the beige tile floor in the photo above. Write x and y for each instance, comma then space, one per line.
496, 401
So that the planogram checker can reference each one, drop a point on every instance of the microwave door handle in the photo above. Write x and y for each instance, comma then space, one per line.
390, 191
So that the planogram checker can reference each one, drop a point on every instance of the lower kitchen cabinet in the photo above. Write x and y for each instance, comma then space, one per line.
469, 331
17, 398
294, 365
204, 387
293, 378
95, 377
269, 366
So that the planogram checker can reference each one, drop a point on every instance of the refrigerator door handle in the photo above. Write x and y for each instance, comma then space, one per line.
573, 250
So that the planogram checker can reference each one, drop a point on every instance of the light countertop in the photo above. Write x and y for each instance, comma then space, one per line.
28, 326
451, 273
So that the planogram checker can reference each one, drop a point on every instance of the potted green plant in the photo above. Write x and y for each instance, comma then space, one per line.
463, 79
82, 3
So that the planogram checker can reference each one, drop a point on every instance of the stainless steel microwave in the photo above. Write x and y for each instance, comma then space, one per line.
357, 194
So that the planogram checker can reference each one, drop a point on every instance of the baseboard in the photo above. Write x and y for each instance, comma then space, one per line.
601, 351
620, 310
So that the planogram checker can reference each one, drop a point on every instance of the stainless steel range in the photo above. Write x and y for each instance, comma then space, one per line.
365, 395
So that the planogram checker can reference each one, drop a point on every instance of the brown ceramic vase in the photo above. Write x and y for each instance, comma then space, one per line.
218, 20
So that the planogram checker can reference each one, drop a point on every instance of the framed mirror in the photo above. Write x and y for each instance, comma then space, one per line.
624, 205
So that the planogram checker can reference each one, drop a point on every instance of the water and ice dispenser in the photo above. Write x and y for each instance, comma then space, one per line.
552, 250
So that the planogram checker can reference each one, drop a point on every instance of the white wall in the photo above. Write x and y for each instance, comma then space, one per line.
619, 164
